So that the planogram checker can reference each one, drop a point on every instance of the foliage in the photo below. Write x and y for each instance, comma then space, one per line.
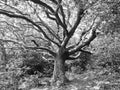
11, 74
80, 65
37, 64
38, 39
107, 55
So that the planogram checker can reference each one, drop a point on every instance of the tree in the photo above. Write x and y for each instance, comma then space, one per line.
56, 22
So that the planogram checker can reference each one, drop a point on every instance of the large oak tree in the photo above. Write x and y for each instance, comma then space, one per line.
58, 23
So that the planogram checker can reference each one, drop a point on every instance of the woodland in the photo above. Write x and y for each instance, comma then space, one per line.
59, 44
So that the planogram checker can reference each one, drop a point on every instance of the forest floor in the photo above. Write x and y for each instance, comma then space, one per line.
90, 80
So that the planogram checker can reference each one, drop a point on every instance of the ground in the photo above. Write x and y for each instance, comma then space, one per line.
90, 80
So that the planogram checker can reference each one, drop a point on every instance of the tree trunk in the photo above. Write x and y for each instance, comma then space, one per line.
59, 77
2, 53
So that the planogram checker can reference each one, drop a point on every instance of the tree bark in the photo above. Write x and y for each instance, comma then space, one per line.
59, 77
2, 53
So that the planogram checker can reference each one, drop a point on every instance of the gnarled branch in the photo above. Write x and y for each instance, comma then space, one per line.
4, 12
42, 4
42, 48
70, 34
87, 42
78, 55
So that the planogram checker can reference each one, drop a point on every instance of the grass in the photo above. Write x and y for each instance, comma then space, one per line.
90, 80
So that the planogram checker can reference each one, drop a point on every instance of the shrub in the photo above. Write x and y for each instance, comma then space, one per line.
37, 64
